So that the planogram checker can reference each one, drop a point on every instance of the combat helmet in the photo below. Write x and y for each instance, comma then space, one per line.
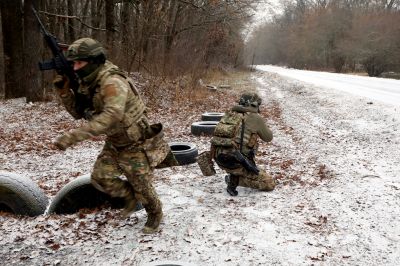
86, 49
250, 99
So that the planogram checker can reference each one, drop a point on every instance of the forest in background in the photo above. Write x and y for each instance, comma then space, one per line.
161, 38
332, 35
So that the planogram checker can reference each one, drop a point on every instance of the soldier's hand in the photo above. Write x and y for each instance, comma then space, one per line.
63, 142
61, 82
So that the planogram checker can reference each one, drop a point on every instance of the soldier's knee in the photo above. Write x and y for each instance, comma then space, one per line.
269, 186
98, 183
268, 182
141, 198
141, 181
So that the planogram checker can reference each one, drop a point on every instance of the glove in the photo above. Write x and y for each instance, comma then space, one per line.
62, 84
64, 141
72, 137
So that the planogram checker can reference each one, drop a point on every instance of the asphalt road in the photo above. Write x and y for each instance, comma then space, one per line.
379, 89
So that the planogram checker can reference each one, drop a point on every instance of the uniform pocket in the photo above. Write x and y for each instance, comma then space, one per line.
155, 147
134, 132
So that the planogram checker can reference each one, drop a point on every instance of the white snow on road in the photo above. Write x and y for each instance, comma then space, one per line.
383, 90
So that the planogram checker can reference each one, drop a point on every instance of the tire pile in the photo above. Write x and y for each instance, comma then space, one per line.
207, 125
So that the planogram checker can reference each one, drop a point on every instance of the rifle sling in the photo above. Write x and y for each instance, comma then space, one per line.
242, 136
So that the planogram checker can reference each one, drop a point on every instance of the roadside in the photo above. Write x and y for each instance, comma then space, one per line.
337, 201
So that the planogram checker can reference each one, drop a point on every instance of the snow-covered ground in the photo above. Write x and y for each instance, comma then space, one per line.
335, 154
383, 90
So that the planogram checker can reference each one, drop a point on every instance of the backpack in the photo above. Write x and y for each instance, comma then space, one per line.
225, 135
227, 129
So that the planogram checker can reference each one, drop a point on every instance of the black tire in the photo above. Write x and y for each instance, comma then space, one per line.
212, 116
79, 194
168, 263
203, 128
184, 152
21, 196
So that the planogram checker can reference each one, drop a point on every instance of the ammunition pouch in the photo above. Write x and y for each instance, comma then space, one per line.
154, 145
204, 160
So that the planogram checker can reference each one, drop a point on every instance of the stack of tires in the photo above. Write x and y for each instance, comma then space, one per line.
207, 125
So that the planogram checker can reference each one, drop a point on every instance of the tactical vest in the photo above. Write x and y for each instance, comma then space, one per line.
132, 127
226, 149
137, 108
227, 130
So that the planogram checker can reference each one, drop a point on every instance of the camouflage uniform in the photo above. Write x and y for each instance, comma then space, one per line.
118, 112
254, 128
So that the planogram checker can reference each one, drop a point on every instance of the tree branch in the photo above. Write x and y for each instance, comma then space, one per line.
71, 17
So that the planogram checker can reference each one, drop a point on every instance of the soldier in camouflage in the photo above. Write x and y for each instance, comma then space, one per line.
117, 111
254, 128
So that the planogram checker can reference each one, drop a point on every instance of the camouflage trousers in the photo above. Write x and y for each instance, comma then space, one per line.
133, 164
244, 178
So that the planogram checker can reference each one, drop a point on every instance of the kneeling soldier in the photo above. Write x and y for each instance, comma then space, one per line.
235, 143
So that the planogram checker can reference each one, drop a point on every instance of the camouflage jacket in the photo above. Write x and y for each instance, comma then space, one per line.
255, 128
118, 111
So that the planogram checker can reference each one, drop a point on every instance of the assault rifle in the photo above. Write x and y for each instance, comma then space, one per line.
246, 163
62, 66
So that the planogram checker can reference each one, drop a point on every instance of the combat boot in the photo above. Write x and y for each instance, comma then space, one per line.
153, 222
130, 206
231, 185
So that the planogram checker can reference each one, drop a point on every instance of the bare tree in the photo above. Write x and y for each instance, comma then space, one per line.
170, 37
71, 22
374, 41
11, 21
32, 50
333, 34
110, 23
1, 64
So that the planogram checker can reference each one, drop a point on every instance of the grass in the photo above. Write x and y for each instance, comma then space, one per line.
238, 80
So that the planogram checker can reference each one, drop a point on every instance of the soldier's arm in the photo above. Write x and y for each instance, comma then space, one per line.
114, 93
66, 95
263, 130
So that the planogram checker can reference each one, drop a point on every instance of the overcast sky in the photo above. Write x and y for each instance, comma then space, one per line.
264, 12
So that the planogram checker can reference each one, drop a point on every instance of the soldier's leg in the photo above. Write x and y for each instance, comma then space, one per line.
232, 181
106, 178
262, 181
138, 171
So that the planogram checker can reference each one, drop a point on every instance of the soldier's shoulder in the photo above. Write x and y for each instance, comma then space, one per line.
254, 116
256, 120
113, 79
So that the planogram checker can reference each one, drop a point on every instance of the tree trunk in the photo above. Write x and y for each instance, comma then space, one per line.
1, 64
32, 51
95, 8
110, 26
125, 35
71, 22
11, 21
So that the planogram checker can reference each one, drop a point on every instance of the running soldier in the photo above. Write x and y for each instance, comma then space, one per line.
132, 147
